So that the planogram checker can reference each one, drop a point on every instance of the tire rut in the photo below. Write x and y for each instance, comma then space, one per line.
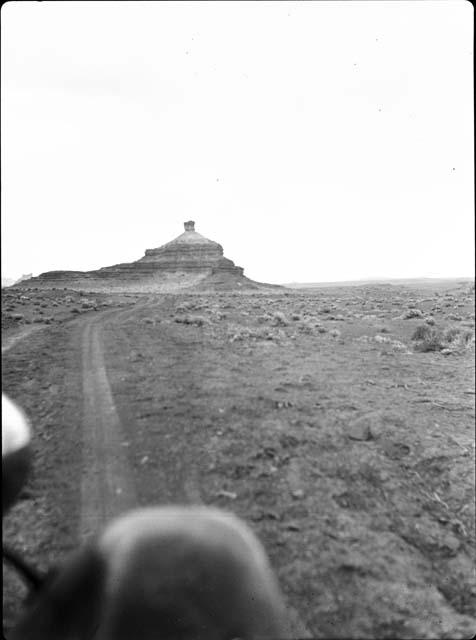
107, 486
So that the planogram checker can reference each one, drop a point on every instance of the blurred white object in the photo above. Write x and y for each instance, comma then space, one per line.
15, 428
16, 453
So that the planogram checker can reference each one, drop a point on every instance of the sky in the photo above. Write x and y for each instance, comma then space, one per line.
315, 141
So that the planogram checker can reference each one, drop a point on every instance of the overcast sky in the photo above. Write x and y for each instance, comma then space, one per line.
316, 141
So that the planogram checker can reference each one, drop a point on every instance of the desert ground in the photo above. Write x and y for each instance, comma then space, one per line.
338, 422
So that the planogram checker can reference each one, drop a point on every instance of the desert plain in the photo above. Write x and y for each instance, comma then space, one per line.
338, 422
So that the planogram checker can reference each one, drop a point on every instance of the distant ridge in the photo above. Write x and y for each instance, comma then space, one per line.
377, 281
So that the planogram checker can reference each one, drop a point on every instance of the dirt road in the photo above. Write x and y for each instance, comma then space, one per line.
108, 487
107, 484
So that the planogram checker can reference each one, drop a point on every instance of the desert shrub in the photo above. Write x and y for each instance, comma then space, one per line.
262, 333
75, 310
279, 319
238, 333
458, 335
412, 313
398, 346
451, 334
422, 332
430, 339
259, 333
295, 316
306, 327
184, 307
198, 321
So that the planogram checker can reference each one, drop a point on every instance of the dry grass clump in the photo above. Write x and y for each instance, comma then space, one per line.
430, 339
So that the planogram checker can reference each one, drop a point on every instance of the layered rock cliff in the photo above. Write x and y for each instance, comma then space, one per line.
187, 261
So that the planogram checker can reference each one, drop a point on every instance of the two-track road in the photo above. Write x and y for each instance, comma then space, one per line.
107, 486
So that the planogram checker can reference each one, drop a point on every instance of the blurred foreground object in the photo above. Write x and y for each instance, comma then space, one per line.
16, 452
188, 573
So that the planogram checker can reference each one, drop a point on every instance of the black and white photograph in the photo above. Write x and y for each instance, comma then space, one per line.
238, 320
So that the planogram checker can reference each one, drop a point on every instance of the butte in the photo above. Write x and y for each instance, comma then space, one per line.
190, 262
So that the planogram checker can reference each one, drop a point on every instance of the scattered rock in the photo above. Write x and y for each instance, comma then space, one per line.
360, 430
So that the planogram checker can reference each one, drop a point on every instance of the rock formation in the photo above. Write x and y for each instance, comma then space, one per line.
190, 260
